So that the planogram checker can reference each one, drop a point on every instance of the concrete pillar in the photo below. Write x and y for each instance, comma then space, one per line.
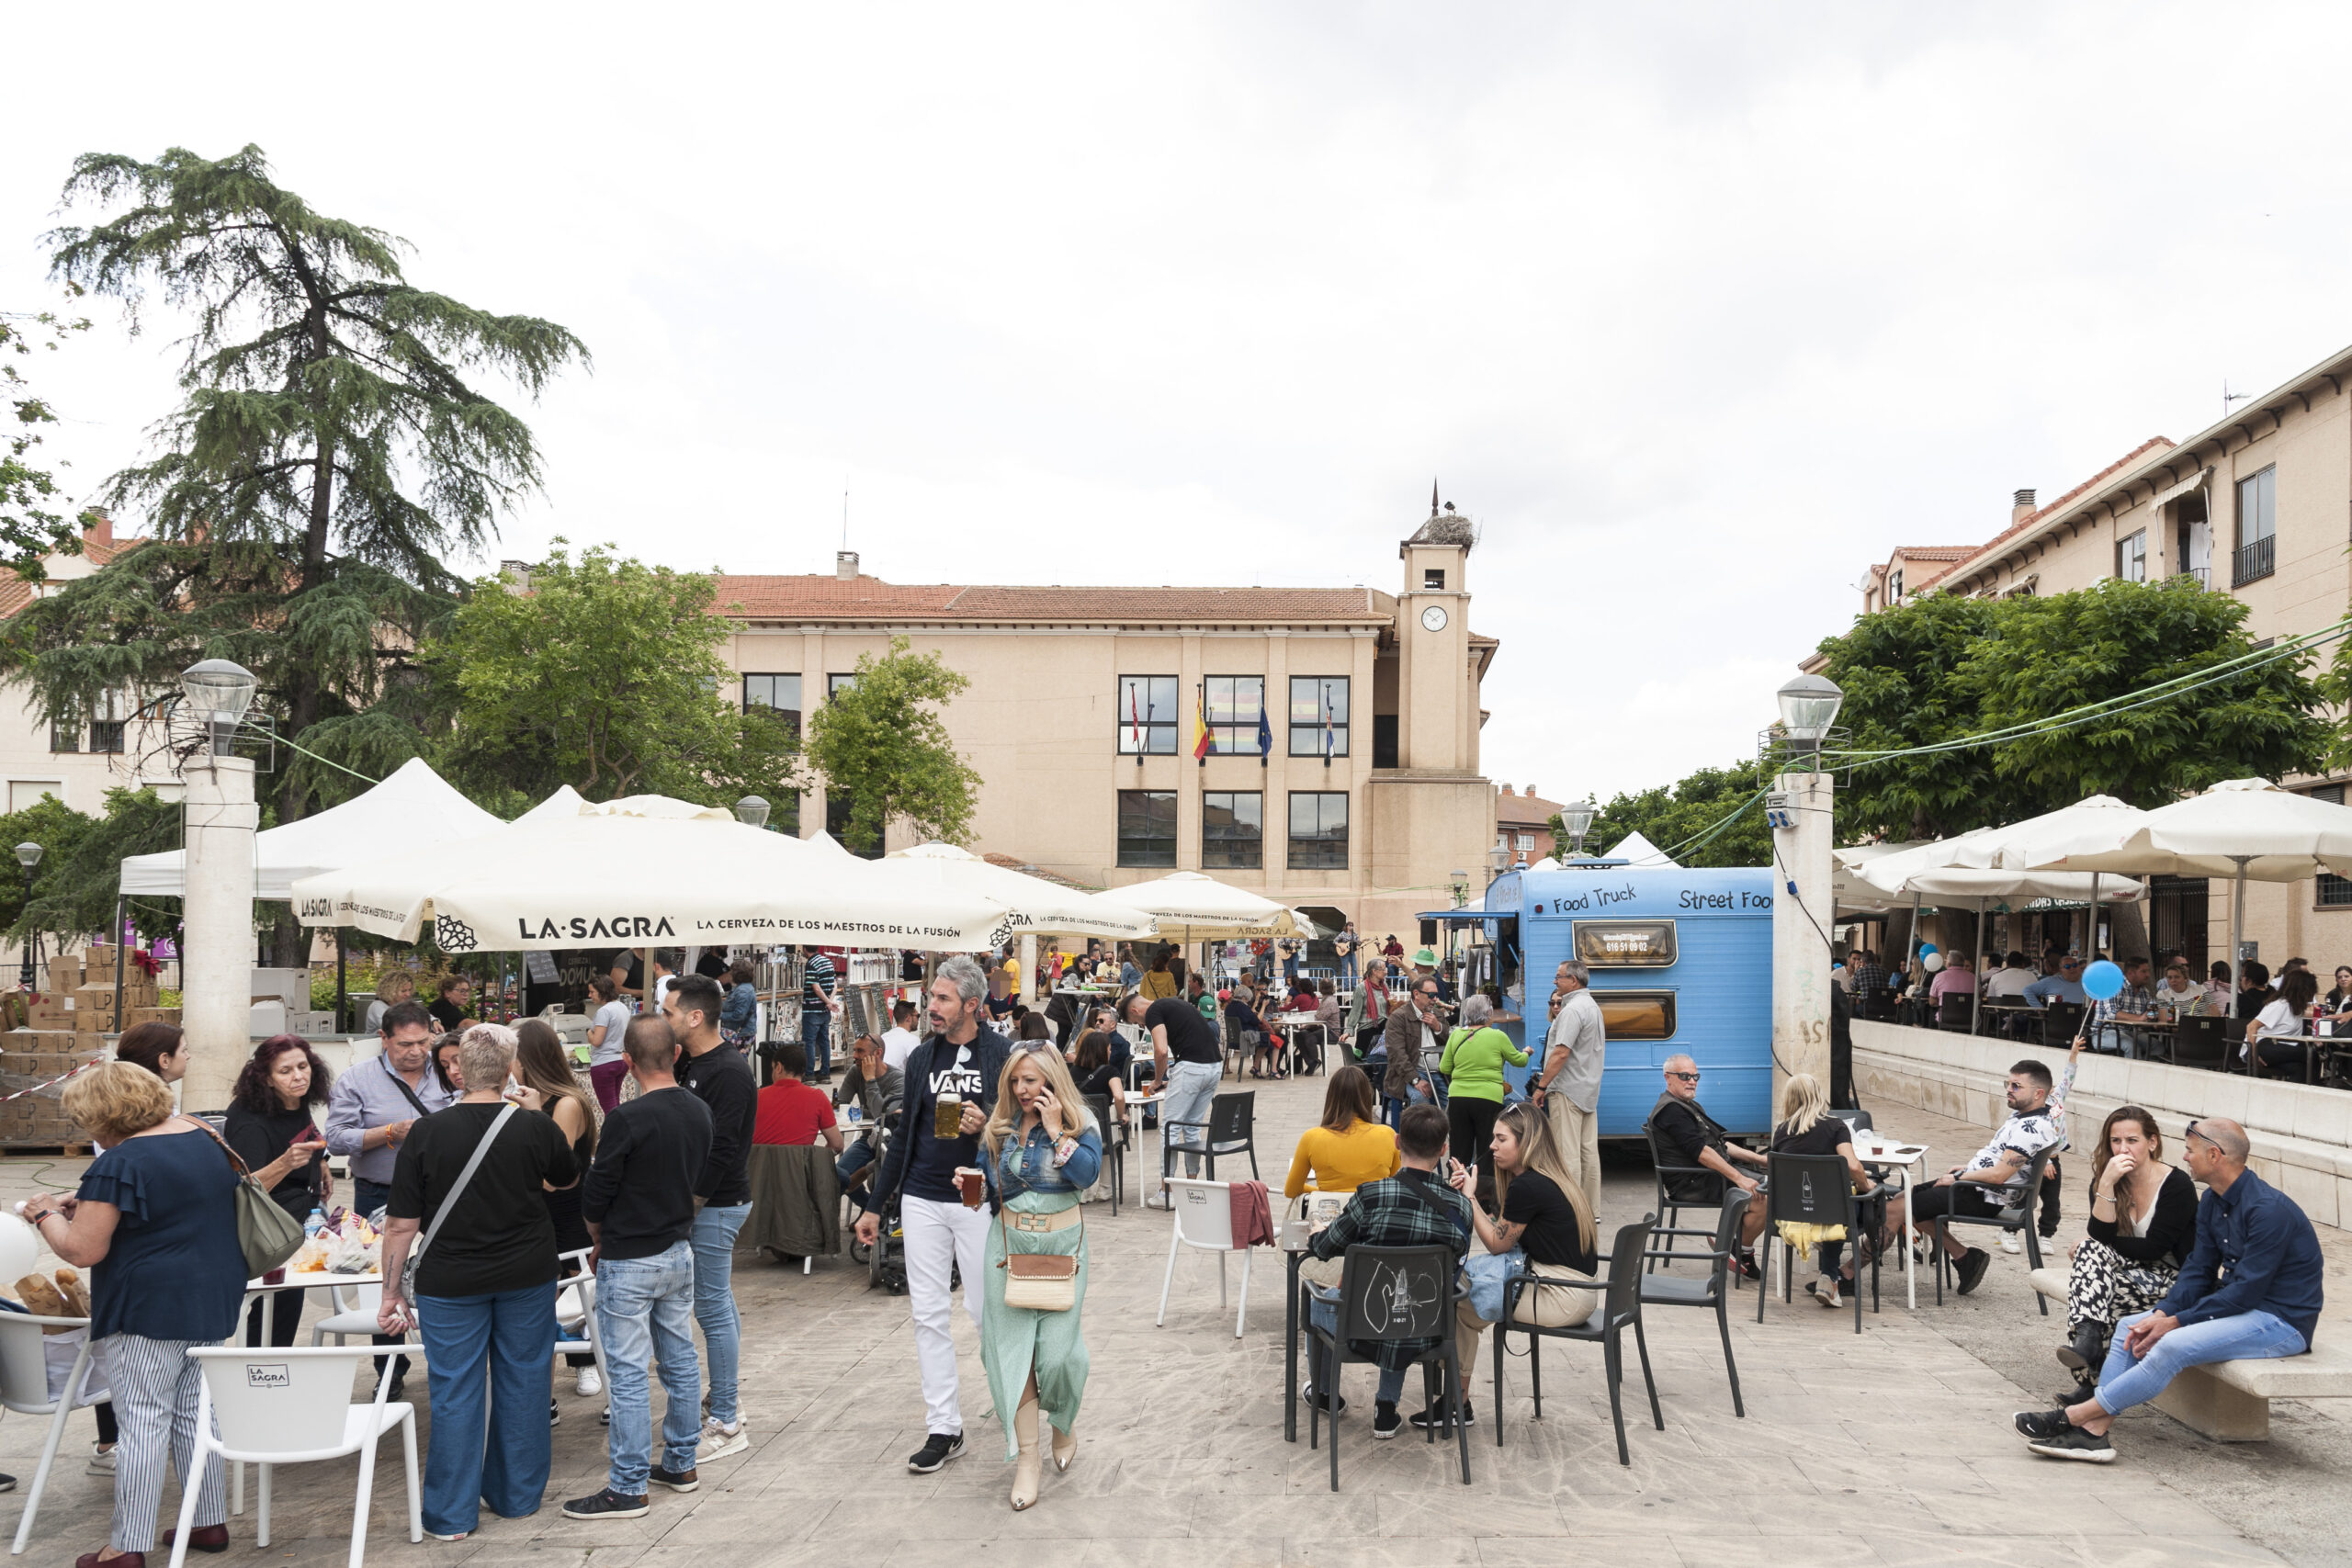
1803, 913
216, 1001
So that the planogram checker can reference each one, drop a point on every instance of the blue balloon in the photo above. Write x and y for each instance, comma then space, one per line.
2103, 980
1925, 948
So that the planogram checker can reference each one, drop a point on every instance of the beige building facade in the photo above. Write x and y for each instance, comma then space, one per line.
1087, 704
2258, 506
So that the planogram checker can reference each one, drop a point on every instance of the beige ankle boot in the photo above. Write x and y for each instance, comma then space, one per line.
1027, 1471
1064, 1449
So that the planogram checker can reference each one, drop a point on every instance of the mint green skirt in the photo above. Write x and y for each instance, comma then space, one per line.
1015, 1341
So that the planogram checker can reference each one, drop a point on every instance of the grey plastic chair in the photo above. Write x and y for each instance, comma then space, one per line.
1620, 1307
2018, 1218
1388, 1294
1818, 1189
1714, 1291
1230, 1130
1670, 1208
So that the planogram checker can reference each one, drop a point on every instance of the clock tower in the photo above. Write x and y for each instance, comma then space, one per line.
1437, 673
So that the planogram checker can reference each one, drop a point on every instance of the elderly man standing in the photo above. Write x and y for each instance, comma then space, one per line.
371, 1108
1567, 1088
2250, 1291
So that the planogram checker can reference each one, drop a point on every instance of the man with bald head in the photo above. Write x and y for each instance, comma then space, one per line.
1687, 1135
2250, 1291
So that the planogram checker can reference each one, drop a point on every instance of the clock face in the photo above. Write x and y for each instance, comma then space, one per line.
1435, 617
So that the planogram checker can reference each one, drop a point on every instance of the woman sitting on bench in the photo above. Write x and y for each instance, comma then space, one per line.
2143, 1223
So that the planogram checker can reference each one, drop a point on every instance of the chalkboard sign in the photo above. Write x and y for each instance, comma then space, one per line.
540, 968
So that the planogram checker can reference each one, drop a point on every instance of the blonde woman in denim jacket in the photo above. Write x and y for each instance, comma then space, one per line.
1043, 1150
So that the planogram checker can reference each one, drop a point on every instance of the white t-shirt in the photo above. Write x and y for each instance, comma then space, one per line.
2008, 982
614, 1015
2026, 1134
661, 989
898, 1045
2274, 1022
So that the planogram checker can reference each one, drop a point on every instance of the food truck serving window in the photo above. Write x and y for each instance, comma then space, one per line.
1636, 1015
1625, 945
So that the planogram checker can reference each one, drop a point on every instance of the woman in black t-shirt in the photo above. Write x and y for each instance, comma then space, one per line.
269, 1125
1807, 1128
1546, 1231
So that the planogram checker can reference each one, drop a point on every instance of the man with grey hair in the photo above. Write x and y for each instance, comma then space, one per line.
1567, 1086
2250, 1291
951, 1078
1687, 1135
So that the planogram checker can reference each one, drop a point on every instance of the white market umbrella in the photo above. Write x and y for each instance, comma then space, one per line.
1985, 890
1191, 908
416, 808
646, 869
1033, 905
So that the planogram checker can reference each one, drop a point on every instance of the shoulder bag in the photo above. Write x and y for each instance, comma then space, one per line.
266, 1234
473, 1163
401, 1084
1040, 1281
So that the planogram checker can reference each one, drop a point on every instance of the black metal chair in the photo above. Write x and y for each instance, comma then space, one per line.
1388, 1293
1957, 1010
2018, 1218
1856, 1117
1230, 1130
1114, 1145
1688, 1179
2233, 1041
1714, 1291
2200, 1041
2060, 1021
1818, 1189
1621, 1306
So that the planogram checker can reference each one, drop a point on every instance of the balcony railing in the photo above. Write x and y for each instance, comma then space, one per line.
2254, 561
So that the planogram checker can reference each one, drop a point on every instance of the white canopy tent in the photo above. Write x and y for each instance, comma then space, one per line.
1638, 850
646, 869
414, 808
1033, 905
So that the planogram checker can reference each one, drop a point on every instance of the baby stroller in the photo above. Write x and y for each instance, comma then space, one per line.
886, 1261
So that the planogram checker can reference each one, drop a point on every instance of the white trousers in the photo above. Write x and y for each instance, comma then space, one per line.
941, 1237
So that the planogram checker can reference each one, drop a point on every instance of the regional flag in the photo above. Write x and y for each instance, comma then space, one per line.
1206, 742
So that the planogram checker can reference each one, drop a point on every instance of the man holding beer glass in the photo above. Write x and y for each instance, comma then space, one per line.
933, 1172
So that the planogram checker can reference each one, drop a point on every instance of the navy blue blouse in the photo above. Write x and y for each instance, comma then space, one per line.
174, 1269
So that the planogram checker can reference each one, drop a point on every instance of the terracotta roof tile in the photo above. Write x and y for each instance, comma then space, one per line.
1936, 552
867, 598
2131, 460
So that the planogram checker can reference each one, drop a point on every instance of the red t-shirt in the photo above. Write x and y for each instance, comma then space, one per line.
792, 1113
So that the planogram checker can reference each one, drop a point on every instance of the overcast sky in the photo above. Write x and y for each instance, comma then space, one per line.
1698, 310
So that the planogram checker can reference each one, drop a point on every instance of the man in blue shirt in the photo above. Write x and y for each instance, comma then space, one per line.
2250, 1291
2066, 986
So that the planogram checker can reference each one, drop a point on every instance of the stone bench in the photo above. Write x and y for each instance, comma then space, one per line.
2230, 1401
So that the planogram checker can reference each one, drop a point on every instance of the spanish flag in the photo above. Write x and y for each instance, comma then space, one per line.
1206, 743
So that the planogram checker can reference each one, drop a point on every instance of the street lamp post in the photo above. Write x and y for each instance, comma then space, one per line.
1804, 906
751, 811
217, 955
28, 856
1577, 820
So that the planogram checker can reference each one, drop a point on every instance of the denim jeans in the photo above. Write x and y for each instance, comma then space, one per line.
1348, 972
645, 1314
855, 1158
722, 1326
1191, 1088
816, 1039
1323, 1308
2128, 1379
501, 1345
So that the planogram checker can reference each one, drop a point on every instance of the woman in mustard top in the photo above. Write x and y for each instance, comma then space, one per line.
1351, 1148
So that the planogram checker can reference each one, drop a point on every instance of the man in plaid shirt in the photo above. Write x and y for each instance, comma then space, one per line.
1413, 1207
1865, 980
2133, 1004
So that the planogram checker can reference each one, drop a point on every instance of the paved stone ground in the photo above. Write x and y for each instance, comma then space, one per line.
1888, 1448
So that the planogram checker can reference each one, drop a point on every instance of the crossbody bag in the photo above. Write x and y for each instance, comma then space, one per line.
1040, 1281
473, 1163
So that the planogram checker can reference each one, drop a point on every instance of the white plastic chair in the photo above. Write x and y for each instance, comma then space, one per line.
354, 1313
24, 1389
575, 1317
1203, 1216
292, 1407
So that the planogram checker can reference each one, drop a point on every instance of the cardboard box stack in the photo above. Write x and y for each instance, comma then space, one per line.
30, 1056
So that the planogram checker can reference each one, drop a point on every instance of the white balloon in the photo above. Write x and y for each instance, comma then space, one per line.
1932, 963
18, 1247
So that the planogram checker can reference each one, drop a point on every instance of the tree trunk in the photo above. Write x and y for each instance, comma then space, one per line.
290, 943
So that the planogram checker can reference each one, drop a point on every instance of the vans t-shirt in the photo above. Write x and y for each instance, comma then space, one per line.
955, 1074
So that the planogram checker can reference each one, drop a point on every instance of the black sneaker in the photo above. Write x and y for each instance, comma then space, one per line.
2074, 1443
606, 1504
677, 1480
1386, 1422
1970, 1267
936, 1450
1442, 1421
1339, 1406
8, 1484
2078, 1395
604, 1417
555, 1413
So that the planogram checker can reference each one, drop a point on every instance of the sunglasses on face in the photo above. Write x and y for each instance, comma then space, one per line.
1687, 1077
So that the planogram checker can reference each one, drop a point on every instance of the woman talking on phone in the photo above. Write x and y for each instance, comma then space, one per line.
269, 1125
1043, 1150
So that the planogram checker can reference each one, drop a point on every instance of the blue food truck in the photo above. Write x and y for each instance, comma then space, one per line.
1681, 964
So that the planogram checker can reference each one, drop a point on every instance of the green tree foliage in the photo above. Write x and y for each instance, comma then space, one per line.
81, 871
29, 529
606, 675
1905, 675
1668, 814
880, 743
330, 457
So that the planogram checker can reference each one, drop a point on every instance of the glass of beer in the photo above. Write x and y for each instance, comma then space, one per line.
947, 1119
972, 1184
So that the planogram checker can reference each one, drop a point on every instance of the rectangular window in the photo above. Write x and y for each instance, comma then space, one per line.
1319, 716
1318, 830
2334, 892
780, 694
2131, 558
1434, 577
1233, 830
836, 684
1636, 1015
837, 810
25, 793
1625, 945
1235, 704
64, 735
1147, 720
2256, 555
1147, 827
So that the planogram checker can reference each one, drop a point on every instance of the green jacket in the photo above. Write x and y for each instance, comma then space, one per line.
1473, 1062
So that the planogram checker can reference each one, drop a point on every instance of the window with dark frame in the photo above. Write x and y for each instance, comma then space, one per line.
837, 811
1318, 702
2131, 558
1147, 717
1318, 830
780, 694
1234, 704
836, 684
1146, 828
2257, 554
1434, 577
1233, 830
2334, 892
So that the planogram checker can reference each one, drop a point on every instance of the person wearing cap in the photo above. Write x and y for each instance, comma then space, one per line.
2250, 1291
